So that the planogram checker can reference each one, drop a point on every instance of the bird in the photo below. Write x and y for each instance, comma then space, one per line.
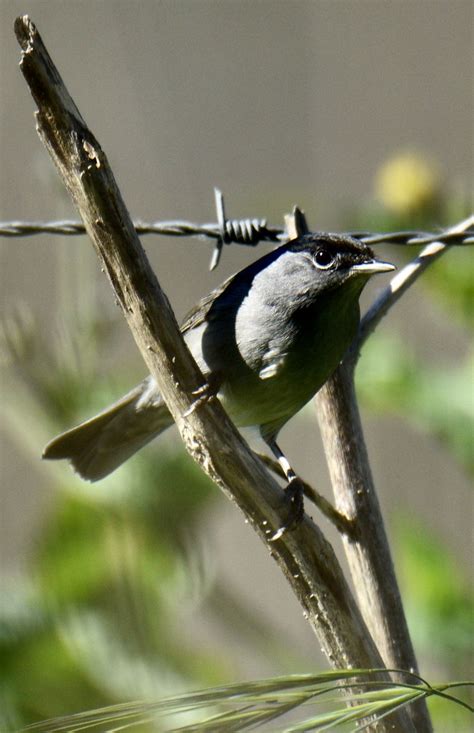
266, 340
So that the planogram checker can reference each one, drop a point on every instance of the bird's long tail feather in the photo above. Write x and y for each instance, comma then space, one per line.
98, 446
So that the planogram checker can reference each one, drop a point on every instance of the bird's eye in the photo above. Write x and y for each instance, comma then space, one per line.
323, 259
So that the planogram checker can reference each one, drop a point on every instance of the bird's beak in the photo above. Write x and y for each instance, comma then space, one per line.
373, 266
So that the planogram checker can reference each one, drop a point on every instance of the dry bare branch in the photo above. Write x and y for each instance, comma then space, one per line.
304, 555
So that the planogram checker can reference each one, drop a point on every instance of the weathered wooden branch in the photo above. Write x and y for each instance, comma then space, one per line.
306, 558
304, 555
367, 548
357, 513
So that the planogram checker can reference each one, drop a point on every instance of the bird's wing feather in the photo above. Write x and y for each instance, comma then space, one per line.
237, 286
198, 314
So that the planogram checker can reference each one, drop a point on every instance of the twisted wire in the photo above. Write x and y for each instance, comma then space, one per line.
240, 231
237, 231
416, 238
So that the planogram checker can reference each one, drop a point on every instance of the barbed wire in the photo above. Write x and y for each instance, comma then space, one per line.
249, 232
260, 232
240, 231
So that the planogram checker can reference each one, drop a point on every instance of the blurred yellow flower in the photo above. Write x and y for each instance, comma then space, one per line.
407, 182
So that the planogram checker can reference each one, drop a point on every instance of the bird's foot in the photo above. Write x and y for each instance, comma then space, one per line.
294, 496
203, 394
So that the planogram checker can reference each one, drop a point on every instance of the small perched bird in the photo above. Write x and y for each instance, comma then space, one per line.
266, 340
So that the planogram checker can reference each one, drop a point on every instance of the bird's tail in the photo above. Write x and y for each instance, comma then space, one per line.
100, 445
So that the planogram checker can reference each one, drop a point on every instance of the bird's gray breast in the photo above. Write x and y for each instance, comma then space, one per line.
267, 328
265, 377
265, 333
270, 343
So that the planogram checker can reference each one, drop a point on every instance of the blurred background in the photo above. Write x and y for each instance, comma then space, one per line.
359, 112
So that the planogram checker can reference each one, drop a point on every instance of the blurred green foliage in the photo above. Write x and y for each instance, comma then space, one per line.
439, 603
440, 600
451, 280
117, 570
100, 614
391, 378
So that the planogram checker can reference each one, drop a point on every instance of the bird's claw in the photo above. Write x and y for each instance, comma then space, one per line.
203, 394
294, 495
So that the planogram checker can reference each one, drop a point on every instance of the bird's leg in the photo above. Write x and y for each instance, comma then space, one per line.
204, 393
294, 491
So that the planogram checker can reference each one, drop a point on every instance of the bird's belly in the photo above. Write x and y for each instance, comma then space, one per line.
281, 386
254, 400
270, 366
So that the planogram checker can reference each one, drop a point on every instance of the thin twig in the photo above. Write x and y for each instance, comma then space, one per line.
343, 524
407, 276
